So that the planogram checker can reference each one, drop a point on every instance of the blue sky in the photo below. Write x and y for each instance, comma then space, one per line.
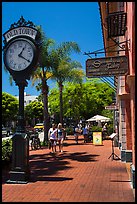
61, 21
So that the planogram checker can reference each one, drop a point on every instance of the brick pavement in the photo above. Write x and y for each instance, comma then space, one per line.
82, 173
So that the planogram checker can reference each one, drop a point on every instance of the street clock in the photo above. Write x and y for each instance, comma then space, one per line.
21, 50
20, 55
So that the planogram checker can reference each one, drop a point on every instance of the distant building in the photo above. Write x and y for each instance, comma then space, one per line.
28, 98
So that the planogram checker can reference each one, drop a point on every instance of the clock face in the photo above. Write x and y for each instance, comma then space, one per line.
19, 54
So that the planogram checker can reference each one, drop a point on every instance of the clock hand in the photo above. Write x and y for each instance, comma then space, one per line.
22, 50
23, 58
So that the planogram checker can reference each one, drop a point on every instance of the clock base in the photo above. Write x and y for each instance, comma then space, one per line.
17, 177
20, 159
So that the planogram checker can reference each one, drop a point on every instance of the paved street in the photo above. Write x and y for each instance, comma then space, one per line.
82, 173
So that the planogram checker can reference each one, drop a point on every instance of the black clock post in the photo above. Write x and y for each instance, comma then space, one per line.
20, 171
21, 53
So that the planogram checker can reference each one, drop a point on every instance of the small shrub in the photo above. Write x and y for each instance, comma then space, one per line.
96, 129
6, 150
44, 143
69, 131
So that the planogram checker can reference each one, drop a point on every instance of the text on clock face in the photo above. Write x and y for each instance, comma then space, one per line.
19, 55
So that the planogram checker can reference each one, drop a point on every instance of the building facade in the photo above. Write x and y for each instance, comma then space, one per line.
118, 30
28, 98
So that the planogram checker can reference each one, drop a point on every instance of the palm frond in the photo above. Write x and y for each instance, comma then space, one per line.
38, 76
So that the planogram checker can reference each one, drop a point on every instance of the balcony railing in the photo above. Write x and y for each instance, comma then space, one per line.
116, 24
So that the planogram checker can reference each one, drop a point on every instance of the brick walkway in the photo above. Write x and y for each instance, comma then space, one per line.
82, 173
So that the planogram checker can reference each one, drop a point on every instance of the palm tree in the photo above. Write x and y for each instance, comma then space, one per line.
42, 74
66, 70
55, 63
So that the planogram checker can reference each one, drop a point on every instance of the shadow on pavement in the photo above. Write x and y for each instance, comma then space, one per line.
45, 165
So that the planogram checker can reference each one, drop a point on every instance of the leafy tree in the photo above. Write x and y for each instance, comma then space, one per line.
96, 96
87, 100
34, 110
10, 106
73, 101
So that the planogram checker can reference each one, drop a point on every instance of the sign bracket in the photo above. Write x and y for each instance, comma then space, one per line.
100, 51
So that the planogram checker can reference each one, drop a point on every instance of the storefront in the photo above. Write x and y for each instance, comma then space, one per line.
118, 30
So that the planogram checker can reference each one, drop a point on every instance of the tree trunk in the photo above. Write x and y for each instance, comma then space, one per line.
61, 103
46, 114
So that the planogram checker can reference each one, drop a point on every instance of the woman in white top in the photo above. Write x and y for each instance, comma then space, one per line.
60, 136
52, 135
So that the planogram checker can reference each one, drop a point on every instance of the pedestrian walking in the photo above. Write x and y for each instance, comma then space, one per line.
104, 130
77, 132
52, 135
64, 131
35, 140
60, 136
85, 132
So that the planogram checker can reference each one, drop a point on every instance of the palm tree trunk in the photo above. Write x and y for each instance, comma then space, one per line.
46, 114
61, 103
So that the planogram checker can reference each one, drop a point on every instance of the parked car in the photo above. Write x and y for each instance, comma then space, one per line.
39, 127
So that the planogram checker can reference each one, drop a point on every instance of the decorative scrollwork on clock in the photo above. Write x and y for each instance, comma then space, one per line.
22, 22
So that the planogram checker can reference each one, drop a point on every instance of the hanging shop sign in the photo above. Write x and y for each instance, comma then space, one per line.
107, 66
112, 107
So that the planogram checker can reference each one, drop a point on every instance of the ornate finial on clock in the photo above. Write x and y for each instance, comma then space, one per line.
22, 22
